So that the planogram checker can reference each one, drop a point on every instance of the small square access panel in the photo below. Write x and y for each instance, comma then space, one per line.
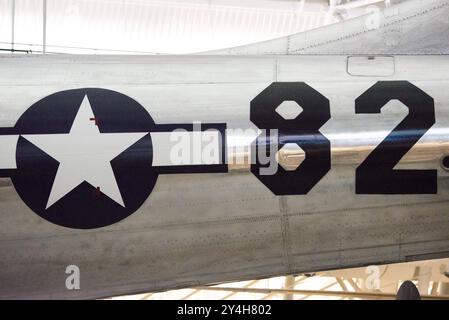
371, 66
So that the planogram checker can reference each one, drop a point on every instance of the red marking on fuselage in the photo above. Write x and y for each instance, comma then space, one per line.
94, 119
97, 192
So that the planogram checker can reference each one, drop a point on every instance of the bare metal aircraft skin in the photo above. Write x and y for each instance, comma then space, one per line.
293, 164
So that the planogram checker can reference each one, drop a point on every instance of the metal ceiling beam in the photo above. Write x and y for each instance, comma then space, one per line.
366, 295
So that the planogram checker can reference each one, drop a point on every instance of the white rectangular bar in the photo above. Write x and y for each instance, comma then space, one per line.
180, 148
8, 145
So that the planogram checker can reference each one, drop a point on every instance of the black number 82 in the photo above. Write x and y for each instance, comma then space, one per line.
376, 174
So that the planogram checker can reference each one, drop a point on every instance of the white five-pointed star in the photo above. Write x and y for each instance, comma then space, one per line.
84, 154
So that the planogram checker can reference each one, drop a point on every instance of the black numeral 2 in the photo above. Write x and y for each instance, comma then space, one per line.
376, 174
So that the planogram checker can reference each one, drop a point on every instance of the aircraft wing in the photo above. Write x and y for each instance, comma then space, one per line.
408, 27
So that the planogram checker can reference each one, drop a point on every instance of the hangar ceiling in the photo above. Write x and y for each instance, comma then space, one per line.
170, 26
